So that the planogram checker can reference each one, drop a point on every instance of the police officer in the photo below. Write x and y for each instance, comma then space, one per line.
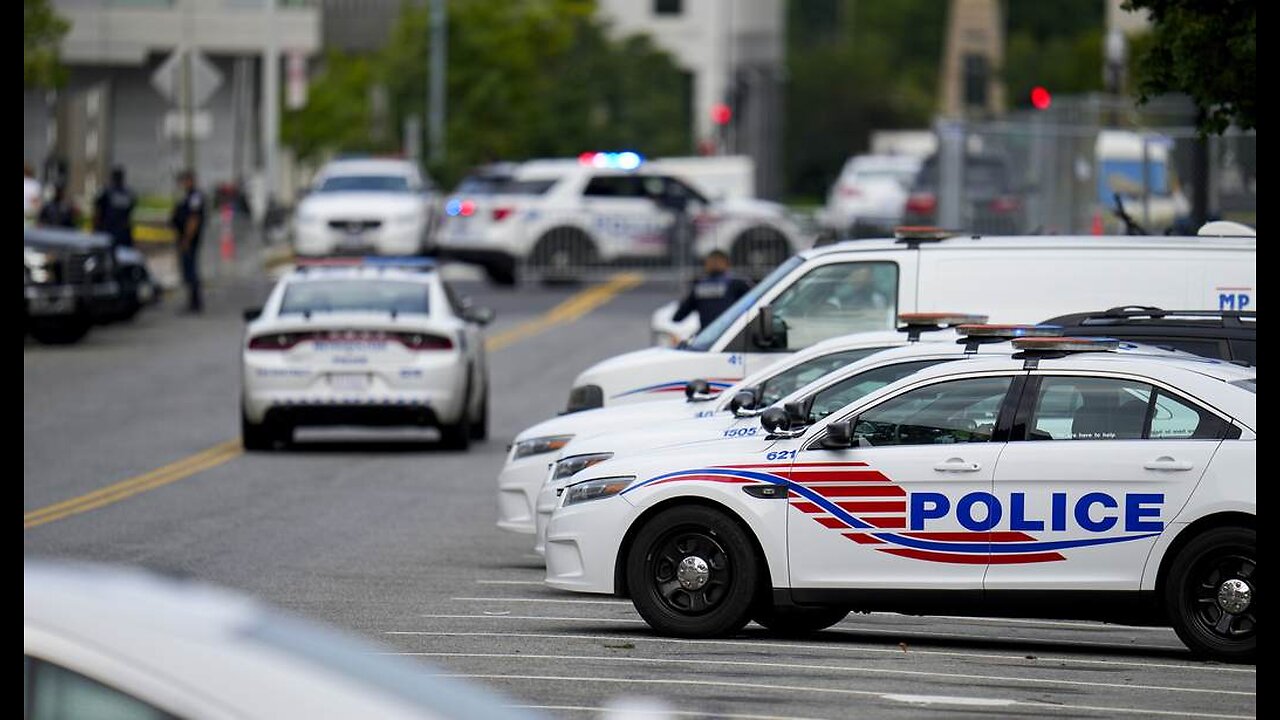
113, 210
714, 292
59, 211
188, 222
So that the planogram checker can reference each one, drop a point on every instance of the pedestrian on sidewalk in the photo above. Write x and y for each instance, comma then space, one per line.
113, 210
188, 223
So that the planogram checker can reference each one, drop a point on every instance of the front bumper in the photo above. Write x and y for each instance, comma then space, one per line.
57, 301
363, 414
544, 506
583, 542
518, 486
388, 239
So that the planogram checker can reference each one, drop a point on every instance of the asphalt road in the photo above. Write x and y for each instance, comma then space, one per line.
396, 540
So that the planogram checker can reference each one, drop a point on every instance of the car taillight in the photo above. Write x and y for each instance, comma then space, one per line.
850, 191
922, 202
1004, 203
279, 341
501, 213
423, 341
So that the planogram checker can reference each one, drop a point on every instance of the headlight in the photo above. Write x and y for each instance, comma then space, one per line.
574, 464
596, 489
540, 445
34, 258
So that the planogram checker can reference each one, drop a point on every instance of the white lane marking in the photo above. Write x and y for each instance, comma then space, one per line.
1111, 711
543, 600
878, 630
1039, 659
539, 583
951, 700
831, 668
663, 713
444, 616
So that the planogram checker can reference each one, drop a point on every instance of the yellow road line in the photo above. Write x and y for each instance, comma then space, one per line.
567, 311
184, 468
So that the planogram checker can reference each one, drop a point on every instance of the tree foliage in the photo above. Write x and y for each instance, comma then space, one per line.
525, 79
42, 31
1207, 49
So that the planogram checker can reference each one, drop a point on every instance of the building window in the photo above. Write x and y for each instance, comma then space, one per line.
668, 7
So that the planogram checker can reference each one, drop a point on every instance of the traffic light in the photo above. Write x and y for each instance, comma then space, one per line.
1040, 98
721, 114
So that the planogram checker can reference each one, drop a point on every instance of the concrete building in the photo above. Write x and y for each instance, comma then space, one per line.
973, 60
110, 112
735, 53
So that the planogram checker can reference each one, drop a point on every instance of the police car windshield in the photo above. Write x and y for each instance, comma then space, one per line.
364, 183
354, 295
703, 341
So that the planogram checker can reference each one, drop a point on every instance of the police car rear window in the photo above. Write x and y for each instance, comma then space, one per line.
354, 295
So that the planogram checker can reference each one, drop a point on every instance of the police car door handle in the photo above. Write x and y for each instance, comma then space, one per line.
1165, 462
957, 465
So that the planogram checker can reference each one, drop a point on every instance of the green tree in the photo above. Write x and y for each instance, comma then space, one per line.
1207, 49
42, 31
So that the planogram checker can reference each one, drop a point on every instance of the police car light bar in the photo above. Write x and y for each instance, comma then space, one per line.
922, 233
626, 160
1059, 345
939, 319
1008, 332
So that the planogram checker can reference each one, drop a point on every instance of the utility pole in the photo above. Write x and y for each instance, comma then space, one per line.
270, 104
436, 81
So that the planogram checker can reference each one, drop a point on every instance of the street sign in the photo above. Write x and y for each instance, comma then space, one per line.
205, 78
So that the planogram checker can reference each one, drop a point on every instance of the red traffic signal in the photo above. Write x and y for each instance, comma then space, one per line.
721, 114
1040, 98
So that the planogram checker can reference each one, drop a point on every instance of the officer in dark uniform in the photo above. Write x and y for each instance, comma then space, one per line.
714, 292
188, 222
59, 211
113, 210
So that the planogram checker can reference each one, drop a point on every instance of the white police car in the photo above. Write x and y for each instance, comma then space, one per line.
863, 285
373, 341
536, 447
1052, 483
365, 206
558, 217
805, 405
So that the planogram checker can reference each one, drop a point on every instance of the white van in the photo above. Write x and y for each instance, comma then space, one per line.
863, 285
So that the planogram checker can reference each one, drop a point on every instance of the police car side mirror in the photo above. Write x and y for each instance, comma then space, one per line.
838, 436
479, 315
251, 314
796, 414
742, 402
775, 420
697, 390
771, 331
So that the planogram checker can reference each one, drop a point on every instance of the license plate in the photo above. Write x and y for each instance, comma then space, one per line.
52, 306
349, 382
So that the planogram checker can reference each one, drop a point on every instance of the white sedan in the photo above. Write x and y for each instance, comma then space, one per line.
364, 342
102, 643
363, 207
1051, 483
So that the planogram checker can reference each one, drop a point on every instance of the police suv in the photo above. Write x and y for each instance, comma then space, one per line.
373, 341
528, 459
1061, 481
863, 285
558, 217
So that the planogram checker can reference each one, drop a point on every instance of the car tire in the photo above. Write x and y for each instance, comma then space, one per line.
1210, 594
62, 332
715, 593
479, 428
257, 436
562, 254
501, 272
456, 436
759, 250
797, 620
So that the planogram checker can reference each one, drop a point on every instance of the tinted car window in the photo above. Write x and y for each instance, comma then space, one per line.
1086, 408
959, 411
838, 299
1245, 351
794, 378
321, 296
851, 389
615, 186
56, 693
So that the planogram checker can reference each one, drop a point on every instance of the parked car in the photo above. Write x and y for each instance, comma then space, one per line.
990, 203
1225, 334
867, 199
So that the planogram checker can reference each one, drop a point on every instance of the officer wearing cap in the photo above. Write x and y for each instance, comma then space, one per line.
714, 292
113, 209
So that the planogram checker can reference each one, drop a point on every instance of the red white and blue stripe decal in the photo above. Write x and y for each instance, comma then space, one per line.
717, 384
868, 508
